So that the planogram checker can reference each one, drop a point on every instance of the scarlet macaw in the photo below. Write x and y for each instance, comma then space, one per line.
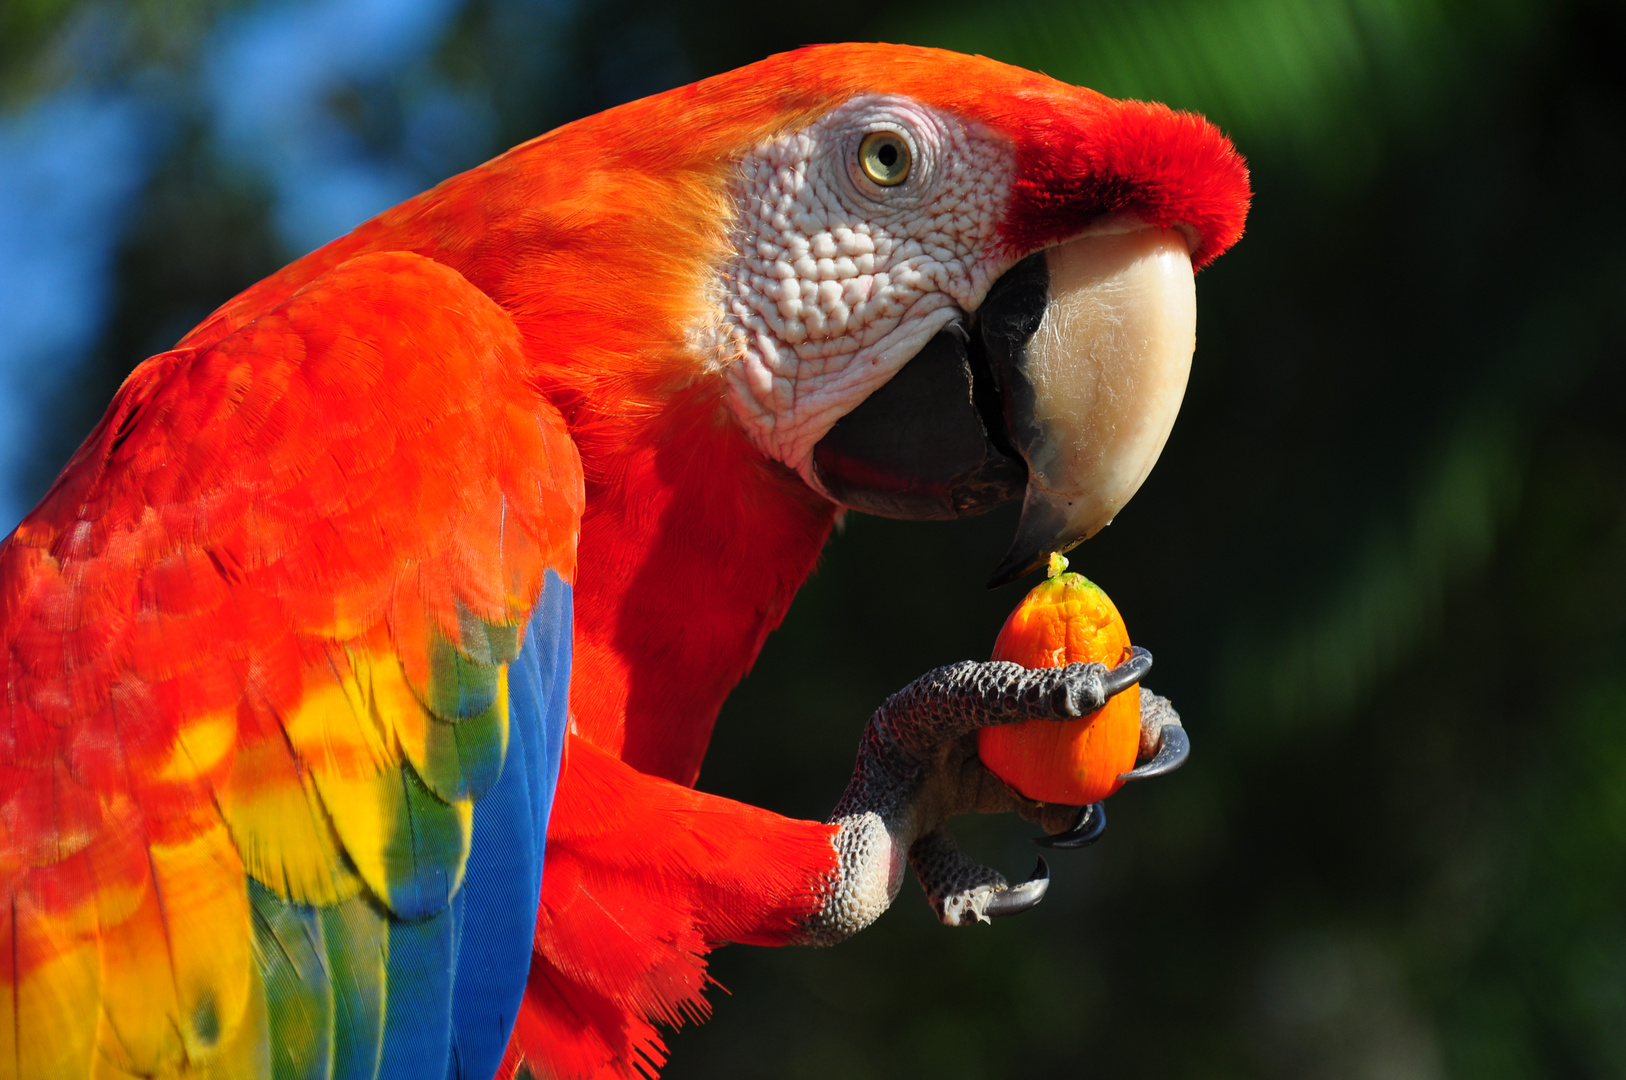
475, 515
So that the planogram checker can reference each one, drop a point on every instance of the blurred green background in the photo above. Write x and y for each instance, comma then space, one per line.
1382, 562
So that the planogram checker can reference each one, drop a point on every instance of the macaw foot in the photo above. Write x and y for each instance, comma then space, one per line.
1163, 743
1089, 827
918, 766
1163, 749
964, 892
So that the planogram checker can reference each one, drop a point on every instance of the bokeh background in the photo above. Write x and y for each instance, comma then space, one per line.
1382, 562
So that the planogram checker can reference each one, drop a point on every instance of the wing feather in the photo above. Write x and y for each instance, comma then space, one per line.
258, 719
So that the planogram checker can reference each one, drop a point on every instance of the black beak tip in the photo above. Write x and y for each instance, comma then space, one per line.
1023, 558
1043, 528
1008, 571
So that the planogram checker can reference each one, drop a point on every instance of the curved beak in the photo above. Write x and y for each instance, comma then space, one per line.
1063, 391
1091, 377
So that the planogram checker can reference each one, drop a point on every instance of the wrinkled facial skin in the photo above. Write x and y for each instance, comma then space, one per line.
836, 281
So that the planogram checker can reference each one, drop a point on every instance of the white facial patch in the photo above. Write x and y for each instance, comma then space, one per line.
836, 280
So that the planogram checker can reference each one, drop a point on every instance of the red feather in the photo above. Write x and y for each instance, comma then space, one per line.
643, 878
597, 240
253, 519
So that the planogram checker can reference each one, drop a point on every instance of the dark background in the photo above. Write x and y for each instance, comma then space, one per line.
1382, 562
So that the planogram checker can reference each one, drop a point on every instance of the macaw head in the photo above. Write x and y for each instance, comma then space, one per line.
948, 282
927, 283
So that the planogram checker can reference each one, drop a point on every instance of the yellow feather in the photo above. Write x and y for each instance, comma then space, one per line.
204, 899
138, 1032
371, 817
397, 709
200, 746
280, 826
53, 1003
365, 813
245, 1054
332, 729
465, 822
103, 1067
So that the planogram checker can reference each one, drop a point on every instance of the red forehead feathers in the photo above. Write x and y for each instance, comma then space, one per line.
1165, 167
1081, 155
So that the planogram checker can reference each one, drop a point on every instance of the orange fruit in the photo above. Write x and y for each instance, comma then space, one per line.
1066, 619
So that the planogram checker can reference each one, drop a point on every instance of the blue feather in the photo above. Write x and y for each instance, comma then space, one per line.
417, 996
495, 910
433, 990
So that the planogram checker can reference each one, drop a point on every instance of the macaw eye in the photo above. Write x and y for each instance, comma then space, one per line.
884, 157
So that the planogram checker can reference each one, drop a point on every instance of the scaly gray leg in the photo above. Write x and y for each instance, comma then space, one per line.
917, 766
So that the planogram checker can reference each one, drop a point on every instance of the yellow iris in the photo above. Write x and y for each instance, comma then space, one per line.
884, 156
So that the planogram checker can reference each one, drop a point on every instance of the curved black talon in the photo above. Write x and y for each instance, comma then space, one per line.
1172, 750
1091, 823
1023, 897
1128, 673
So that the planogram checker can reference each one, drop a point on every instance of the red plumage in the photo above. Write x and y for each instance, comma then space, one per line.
644, 877
260, 523
580, 262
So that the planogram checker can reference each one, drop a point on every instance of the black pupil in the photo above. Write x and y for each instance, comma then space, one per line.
887, 155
